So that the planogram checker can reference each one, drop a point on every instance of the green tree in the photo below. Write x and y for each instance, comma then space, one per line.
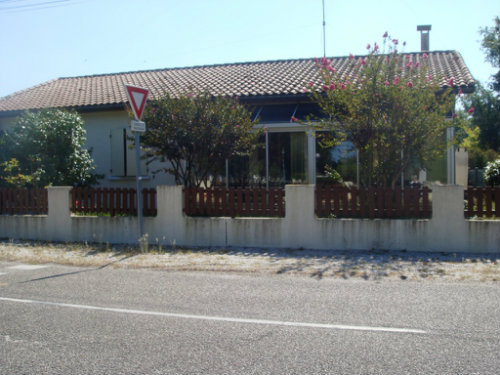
48, 146
483, 130
195, 134
491, 46
391, 110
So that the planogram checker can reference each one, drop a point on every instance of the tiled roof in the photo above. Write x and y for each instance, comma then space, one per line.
246, 80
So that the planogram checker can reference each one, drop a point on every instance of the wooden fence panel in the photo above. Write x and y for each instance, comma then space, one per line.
112, 201
255, 202
23, 201
383, 203
482, 202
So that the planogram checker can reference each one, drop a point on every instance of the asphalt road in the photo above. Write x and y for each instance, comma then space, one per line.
62, 320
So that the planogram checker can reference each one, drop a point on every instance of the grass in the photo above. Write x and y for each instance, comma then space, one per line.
374, 265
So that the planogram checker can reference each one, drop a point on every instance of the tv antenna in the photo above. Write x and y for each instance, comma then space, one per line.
324, 27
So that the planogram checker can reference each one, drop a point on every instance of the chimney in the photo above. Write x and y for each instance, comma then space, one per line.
424, 37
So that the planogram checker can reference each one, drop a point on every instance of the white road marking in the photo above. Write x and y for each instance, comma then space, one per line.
220, 318
27, 267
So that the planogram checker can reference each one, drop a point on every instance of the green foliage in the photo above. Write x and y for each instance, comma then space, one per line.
486, 116
332, 175
491, 46
391, 110
482, 131
478, 155
12, 176
47, 148
492, 173
196, 134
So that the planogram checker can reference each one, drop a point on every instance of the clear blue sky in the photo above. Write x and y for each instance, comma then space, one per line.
45, 39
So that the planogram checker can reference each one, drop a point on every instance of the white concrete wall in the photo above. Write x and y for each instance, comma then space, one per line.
447, 230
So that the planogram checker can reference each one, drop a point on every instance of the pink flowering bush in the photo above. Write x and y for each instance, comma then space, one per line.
391, 109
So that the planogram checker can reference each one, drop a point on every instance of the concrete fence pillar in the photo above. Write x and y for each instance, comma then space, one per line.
299, 223
169, 225
59, 216
448, 230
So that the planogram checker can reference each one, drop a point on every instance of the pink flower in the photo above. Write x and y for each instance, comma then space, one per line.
396, 81
325, 62
417, 65
310, 84
375, 47
471, 110
395, 41
351, 56
342, 86
409, 84
386, 34
460, 92
331, 68
450, 82
237, 126
425, 56
428, 78
409, 65
368, 46
363, 62
294, 119
386, 83
453, 115
325, 88
332, 86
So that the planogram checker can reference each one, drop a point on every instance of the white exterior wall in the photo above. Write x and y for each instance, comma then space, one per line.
447, 230
99, 126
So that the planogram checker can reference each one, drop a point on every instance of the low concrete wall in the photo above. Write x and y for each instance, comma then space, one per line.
447, 230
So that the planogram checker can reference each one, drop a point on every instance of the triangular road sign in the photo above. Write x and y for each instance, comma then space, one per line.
137, 97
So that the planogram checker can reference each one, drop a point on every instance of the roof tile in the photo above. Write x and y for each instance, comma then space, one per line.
267, 78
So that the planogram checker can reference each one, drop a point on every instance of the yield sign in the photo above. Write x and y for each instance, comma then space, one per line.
137, 97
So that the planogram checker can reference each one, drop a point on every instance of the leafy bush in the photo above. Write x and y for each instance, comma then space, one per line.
492, 173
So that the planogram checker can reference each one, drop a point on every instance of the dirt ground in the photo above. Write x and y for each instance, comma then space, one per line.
368, 265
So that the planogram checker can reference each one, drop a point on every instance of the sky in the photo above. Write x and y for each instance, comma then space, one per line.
41, 40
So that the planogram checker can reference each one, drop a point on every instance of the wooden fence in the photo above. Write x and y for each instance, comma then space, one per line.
482, 202
387, 203
112, 201
23, 201
256, 202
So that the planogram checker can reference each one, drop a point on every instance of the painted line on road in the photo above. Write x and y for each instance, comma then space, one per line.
219, 318
27, 267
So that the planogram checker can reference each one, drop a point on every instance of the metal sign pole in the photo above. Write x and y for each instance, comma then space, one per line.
137, 97
138, 178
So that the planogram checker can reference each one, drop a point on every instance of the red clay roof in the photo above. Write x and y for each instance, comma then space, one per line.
245, 80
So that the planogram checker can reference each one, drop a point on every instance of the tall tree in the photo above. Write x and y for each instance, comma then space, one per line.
483, 130
195, 134
391, 110
48, 147
491, 46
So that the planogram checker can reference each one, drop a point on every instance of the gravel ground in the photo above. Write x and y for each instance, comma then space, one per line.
372, 265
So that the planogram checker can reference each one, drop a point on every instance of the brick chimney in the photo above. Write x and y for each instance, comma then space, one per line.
424, 37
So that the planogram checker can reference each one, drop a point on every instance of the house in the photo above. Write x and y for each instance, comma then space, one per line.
274, 90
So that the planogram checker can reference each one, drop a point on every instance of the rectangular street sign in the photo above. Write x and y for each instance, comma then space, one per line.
138, 126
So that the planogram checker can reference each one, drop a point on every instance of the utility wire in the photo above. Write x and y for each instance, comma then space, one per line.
11, 8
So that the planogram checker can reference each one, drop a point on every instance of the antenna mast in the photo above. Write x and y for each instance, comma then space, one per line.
324, 26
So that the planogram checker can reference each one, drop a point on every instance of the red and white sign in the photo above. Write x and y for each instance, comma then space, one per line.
137, 97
